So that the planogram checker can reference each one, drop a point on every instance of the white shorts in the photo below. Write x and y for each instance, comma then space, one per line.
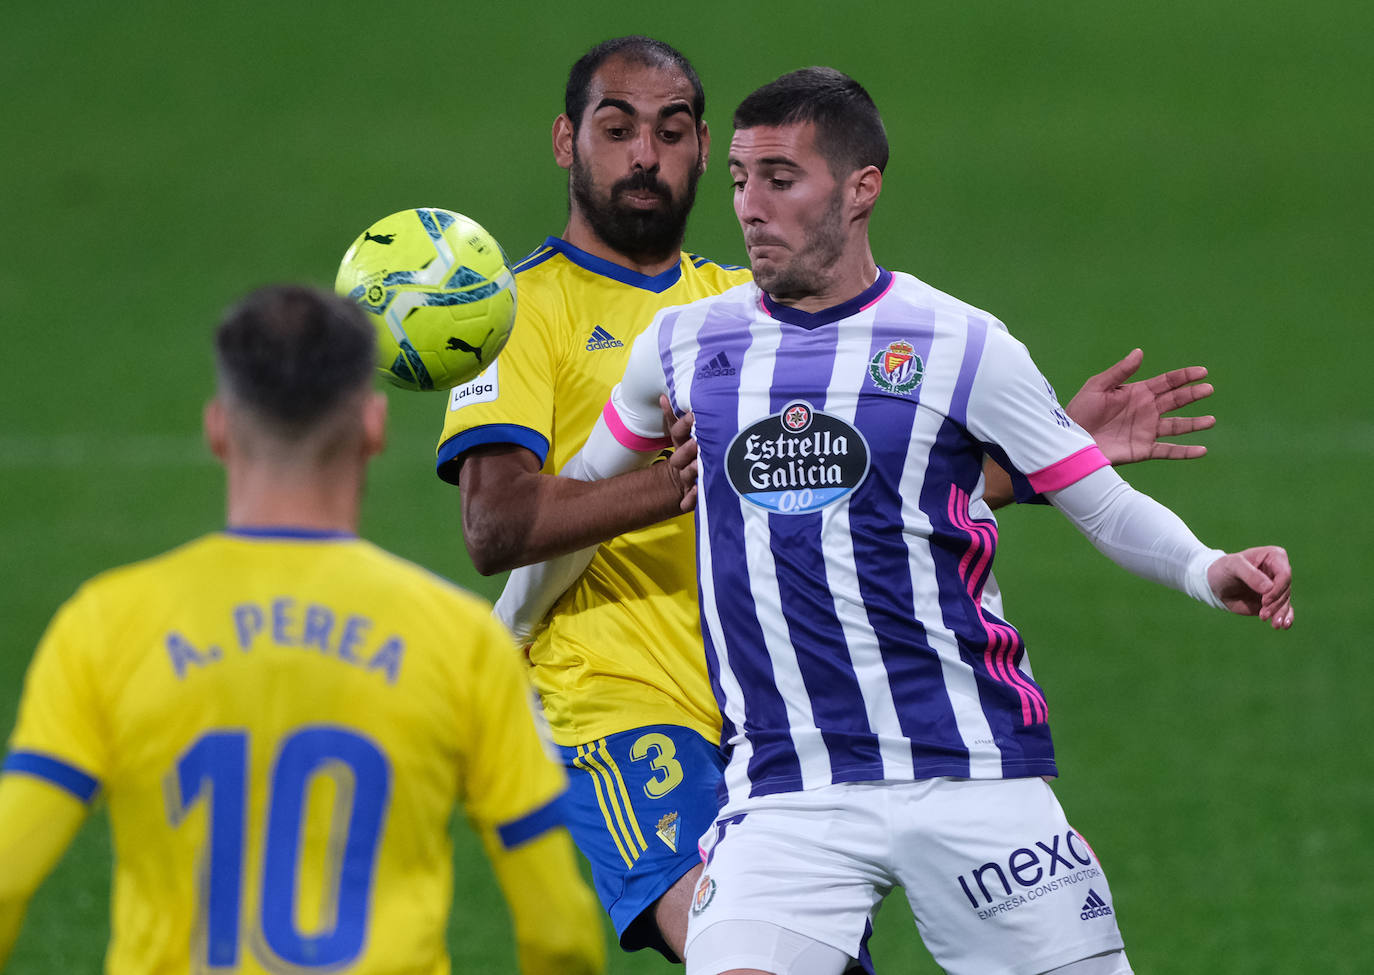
997, 879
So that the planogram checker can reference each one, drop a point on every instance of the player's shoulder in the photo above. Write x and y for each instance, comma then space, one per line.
418, 580
534, 266
911, 289
154, 571
735, 295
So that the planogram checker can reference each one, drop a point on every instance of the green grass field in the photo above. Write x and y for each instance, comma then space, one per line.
1189, 177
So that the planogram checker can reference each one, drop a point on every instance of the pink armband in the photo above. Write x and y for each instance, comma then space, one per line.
627, 437
1070, 470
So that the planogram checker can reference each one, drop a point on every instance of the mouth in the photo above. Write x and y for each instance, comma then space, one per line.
642, 199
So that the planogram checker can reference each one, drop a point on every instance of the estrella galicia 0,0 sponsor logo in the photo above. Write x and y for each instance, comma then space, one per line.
796, 461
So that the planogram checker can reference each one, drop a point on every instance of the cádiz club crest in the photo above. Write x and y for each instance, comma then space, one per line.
796, 461
897, 368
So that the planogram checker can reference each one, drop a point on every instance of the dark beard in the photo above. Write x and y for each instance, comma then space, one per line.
643, 236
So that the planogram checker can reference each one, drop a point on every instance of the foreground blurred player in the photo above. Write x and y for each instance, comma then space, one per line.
282, 717
620, 666
883, 725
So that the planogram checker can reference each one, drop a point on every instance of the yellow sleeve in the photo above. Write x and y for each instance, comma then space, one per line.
510, 789
37, 823
557, 921
510, 783
512, 400
61, 732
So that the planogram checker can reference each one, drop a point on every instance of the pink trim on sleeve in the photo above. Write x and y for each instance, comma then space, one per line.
627, 437
1070, 470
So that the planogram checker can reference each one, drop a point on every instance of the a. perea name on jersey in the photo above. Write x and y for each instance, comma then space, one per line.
796, 461
288, 624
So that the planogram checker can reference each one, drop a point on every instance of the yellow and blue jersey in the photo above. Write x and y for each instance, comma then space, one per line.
282, 724
622, 648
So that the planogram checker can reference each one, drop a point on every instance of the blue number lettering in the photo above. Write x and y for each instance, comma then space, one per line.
362, 779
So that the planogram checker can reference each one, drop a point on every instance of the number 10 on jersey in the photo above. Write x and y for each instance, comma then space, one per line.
214, 770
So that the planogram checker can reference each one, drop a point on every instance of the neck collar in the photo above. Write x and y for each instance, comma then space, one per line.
657, 283
815, 319
286, 532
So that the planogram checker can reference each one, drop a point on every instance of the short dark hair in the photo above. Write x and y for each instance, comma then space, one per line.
849, 130
292, 354
638, 49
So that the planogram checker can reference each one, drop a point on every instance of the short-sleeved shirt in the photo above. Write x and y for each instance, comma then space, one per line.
622, 648
282, 724
842, 551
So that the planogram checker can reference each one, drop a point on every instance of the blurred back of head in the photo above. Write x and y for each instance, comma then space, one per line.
293, 366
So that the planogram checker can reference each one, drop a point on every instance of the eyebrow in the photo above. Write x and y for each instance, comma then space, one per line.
624, 106
765, 161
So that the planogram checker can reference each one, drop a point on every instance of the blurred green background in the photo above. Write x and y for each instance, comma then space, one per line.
1193, 178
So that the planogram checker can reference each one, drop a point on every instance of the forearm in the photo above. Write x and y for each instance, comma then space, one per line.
1138, 533
556, 918
536, 517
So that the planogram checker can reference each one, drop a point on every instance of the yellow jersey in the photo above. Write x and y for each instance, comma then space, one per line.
282, 724
622, 648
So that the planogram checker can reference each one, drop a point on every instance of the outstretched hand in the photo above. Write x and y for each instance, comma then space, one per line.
1127, 419
682, 463
1255, 582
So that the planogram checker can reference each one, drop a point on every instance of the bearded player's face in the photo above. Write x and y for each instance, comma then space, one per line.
636, 158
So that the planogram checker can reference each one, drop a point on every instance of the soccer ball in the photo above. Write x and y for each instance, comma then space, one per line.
437, 287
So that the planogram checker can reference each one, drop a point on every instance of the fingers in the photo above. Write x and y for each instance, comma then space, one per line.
1177, 426
1249, 575
1276, 606
1176, 451
1176, 397
1175, 378
679, 428
1117, 373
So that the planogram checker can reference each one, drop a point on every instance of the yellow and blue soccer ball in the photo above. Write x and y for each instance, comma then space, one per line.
438, 289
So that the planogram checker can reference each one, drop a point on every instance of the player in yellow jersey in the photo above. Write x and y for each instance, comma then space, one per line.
282, 717
618, 662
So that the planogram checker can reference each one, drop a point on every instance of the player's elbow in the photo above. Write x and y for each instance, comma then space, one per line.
490, 553
493, 542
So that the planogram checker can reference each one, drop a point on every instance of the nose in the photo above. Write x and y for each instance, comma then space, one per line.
749, 204
644, 149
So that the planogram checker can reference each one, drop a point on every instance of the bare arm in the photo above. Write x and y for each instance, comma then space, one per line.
1127, 419
514, 515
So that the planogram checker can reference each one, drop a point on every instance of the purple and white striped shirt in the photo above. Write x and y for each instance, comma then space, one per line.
843, 545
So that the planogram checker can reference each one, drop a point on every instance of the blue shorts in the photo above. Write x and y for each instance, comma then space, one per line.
636, 805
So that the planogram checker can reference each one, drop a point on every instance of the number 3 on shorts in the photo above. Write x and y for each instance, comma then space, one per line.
660, 751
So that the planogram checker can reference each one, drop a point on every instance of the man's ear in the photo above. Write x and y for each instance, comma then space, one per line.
704, 137
216, 426
374, 423
865, 186
563, 137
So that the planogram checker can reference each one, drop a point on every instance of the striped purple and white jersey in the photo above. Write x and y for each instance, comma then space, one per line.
843, 546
